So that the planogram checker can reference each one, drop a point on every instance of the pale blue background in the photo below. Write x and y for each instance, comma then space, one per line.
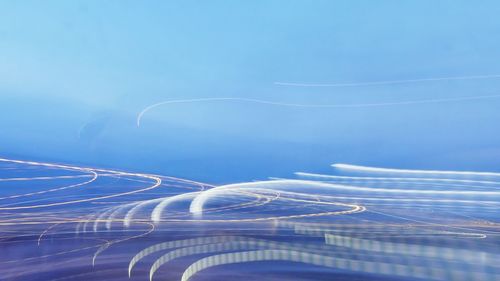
74, 75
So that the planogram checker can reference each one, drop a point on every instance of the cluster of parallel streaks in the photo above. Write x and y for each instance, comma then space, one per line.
366, 221
53, 211
429, 225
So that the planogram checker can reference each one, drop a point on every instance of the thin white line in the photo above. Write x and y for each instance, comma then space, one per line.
388, 82
356, 105
408, 171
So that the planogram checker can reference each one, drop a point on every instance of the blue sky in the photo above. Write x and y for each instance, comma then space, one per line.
75, 74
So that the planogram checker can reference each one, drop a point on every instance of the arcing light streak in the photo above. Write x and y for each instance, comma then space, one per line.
389, 82
158, 210
45, 232
204, 249
408, 171
84, 224
245, 244
109, 243
354, 209
131, 213
93, 174
241, 244
326, 261
358, 105
117, 211
257, 202
197, 204
200, 200
202, 185
155, 185
188, 246
101, 217
282, 195
177, 244
377, 245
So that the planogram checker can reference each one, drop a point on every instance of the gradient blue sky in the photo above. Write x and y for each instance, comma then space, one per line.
74, 75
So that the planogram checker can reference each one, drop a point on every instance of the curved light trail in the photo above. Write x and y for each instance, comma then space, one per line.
299, 105
158, 210
157, 183
320, 260
410, 223
93, 174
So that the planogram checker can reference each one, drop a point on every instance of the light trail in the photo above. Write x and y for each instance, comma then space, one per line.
45, 232
108, 244
408, 230
205, 249
326, 261
359, 168
197, 204
199, 201
117, 211
465, 181
158, 210
101, 217
94, 177
155, 185
389, 82
299, 105
178, 244
131, 213
240, 244
45, 178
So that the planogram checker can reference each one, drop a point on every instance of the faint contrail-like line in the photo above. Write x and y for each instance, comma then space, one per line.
355, 105
387, 82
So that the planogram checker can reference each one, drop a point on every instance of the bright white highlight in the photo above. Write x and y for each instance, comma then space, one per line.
199, 201
157, 182
178, 244
326, 261
131, 213
408, 171
115, 213
391, 179
158, 210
